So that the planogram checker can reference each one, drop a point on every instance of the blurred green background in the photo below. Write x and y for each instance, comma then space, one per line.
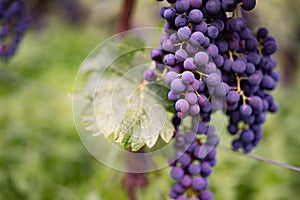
42, 157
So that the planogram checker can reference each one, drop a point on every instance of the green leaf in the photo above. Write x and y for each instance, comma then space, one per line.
118, 101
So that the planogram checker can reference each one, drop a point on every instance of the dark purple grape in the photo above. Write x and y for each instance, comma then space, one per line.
150, 75
213, 32
195, 16
181, 21
177, 173
199, 183
238, 66
182, 5
248, 4
229, 5
213, 6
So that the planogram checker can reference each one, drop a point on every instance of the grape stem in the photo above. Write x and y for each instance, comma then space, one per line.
239, 90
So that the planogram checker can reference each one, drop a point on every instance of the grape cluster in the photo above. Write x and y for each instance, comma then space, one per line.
13, 23
195, 163
212, 61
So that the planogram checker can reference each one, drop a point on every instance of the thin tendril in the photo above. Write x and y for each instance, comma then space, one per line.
262, 159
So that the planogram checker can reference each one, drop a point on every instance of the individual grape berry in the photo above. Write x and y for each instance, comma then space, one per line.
201, 58
170, 60
182, 197
213, 80
219, 24
168, 45
256, 103
182, 105
197, 38
247, 136
194, 109
213, 6
270, 48
189, 64
177, 86
156, 54
233, 97
262, 33
182, 5
255, 79
173, 96
206, 195
212, 32
184, 33
194, 169
195, 3
268, 82
185, 159
170, 14
212, 50
238, 24
245, 110
205, 169
177, 173
181, 21
186, 181
191, 97
229, 5
181, 55
210, 68
170, 76
238, 66
195, 16
248, 4
150, 75
199, 183
202, 27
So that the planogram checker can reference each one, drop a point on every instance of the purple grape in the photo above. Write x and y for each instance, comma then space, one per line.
181, 21
206, 195
210, 68
186, 181
238, 66
150, 75
189, 64
181, 55
177, 173
219, 24
191, 97
213, 6
247, 136
195, 3
199, 183
202, 27
248, 4
212, 50
182, 105
170, 60
184, 33
245, 110
195, 16
229, 5
213, 80
201, 58
194, 109
170, 76
168, 45
185, 160
256, 103
213, 32
197, 38
170, 14
262, 32
206, 169
188, 77
194, 169
233, 97
182, 5
268, 82
177, 85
